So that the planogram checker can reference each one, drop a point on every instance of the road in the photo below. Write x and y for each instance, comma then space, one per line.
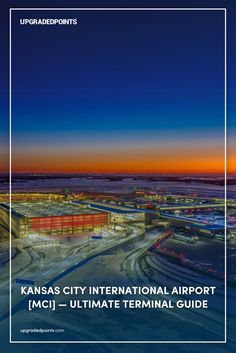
132, 266
49, 275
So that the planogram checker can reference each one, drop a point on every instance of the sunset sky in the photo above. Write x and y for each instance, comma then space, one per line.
135, 92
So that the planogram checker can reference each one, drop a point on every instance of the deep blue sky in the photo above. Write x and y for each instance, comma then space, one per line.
136, 70
161, 72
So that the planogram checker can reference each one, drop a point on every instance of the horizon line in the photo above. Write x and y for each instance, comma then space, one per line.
117, 172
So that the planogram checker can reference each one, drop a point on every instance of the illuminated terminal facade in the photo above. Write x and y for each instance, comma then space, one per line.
51, 218
118, 213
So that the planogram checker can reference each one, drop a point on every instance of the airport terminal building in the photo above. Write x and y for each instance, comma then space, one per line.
118, 214
51, 218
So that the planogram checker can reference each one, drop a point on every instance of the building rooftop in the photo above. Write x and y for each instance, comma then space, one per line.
109, 207
195, 222
47, 209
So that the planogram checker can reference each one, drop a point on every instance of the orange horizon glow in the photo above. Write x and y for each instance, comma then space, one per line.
186, 167
150, 159
137, 163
